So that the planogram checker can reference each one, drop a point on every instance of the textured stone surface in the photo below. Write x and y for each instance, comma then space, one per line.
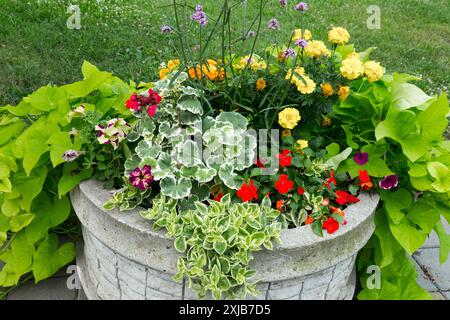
440, 274
138, 263
424, 280
50, 289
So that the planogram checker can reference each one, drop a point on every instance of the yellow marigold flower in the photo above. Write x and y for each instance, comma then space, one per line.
373, 71
163, 73
326, 122
327, 89
304, 84
171, 64
352, 68
261, 84
286, 133
289, 118
306, 35
255, 63
316, 49
354, 54
195, 72
300, 145
343, 92
339, 36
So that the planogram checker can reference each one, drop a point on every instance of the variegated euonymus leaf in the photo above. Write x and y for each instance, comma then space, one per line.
175, 188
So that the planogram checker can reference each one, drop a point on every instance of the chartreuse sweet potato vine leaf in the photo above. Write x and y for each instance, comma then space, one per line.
33, 137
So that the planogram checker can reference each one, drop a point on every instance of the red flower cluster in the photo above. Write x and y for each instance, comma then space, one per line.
364, 180
285, 158
331, 180
248, 192
330, 225
284, 185
344, 198
301, 191
218, 197
139, 102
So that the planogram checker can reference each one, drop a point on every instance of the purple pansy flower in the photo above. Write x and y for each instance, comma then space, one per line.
70, 155
389, 182
166, 29
301, 6
361, 158
141, 178
274, 24
302, 43
200, 16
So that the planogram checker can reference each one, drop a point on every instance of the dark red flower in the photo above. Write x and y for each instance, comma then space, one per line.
154, 97
285, 158
141, 178
301, 191
218, 197
284, 185
361, 158
331, 180
364, 180
259, 163
344, 198
248, 192
330, 225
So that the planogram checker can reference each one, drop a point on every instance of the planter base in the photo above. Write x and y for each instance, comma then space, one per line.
123, 257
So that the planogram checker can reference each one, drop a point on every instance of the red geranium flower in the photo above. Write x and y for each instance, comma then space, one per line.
284, 185
248, 192
364, 180
330, 225
280, 205
344, 198
285, 158
155, 98
309, 220
152, 110
337, 210
133, 103
301, 191
218, 197
331, 180
259, 164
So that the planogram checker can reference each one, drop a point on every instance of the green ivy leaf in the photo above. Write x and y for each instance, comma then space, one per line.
49, 258
20, 221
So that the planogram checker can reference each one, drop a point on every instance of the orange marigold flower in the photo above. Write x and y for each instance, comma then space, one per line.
327, 89
280, 205
261, 84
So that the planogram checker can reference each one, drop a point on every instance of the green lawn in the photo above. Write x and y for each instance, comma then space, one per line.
123, 36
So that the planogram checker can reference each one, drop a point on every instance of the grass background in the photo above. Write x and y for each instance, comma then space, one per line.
123, 36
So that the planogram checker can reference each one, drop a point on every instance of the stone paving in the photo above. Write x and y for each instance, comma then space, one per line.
432, 276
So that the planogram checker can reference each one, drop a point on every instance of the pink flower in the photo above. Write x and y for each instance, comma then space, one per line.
361, 158
152, 110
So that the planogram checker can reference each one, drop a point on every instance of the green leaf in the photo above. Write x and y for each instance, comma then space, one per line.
389, 246
441, 174
433, 121
317, 228
444, 239
220, 246
59, 143
408, 236
175, 189
424, 215
20, 221
236, 119
20, 256
48, 215
397, 203
71, 177
191, 104
335, 161
29, 186
405, 95
49, 258
229, 178
47, 98
10, 131
180, 244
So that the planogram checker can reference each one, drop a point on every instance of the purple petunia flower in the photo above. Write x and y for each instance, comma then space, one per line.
274, 24
283, 3
70, 155
302, 43
389, 182
251, 34
141, 178
301, 6
361, 158
166, 29
200, 16
289, 53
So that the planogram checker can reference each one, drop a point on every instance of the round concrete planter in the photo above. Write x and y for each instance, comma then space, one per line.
124, 258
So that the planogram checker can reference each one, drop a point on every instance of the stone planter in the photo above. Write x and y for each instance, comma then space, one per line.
123, 258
